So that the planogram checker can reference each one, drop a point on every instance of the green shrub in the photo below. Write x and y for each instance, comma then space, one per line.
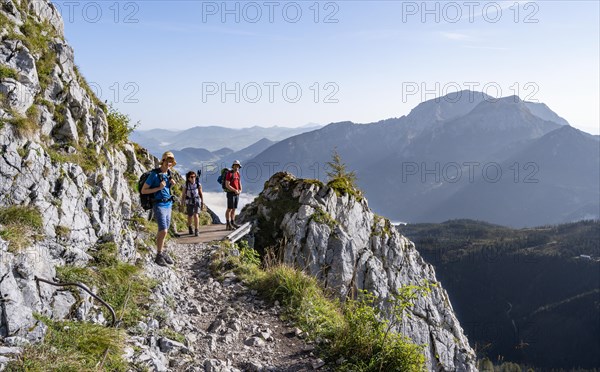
368, 342
20, 226
354, 331
74, 346
248, 255
119, 127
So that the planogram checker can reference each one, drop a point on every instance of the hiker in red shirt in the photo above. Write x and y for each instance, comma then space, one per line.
233, 184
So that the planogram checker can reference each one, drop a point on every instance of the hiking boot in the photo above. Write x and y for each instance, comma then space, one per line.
160, 260
196, 232
228, 227
190, 230
167, 258
177, 235
235, 225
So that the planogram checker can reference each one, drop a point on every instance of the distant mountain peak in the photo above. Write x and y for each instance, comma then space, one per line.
448, 107
509, 99
566, 132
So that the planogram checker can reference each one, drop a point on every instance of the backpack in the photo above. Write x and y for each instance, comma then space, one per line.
147, 200
222, 177
196, 197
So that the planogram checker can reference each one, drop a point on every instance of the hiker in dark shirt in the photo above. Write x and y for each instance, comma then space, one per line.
233, 184
160, 184
193, 200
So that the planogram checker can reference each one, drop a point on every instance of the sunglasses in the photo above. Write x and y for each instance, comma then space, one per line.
192, 176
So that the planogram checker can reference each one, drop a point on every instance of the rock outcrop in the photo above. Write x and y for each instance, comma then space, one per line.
56, 158
340, 241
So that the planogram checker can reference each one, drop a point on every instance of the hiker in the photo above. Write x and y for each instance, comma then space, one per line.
233, 185
160, 183
193, 200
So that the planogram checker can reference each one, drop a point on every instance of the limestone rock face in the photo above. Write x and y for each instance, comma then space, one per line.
55, 157
340, 241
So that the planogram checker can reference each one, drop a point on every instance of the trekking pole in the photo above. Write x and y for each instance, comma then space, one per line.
112, 312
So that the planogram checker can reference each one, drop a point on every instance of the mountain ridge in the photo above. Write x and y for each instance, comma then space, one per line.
427, 162
212, 137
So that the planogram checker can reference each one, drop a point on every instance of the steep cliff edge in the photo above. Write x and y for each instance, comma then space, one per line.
59, 160
338, 239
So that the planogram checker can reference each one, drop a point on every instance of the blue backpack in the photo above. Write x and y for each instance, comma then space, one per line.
222, 177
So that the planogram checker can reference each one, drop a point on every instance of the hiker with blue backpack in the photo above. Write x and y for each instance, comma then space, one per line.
159, 183
232, 184
193, 199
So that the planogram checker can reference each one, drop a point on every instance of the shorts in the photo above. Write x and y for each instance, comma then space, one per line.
232, 200
192, 210
163, 217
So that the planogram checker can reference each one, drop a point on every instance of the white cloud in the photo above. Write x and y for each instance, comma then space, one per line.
455, 36
484, 47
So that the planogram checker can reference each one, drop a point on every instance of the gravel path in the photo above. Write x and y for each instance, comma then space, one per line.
226, 325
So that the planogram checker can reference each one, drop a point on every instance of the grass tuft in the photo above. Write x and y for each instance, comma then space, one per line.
120, 284
304, 300
74, 346
8, 73
322, 217
21, 225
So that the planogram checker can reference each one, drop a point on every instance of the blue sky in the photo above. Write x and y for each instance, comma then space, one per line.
178, 64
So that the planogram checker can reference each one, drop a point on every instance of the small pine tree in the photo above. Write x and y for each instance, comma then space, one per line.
339, 179
337, 169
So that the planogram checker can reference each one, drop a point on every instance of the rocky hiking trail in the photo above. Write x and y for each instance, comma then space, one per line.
226, 325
